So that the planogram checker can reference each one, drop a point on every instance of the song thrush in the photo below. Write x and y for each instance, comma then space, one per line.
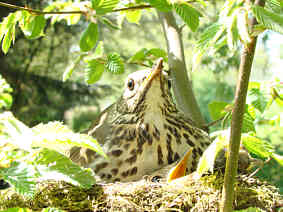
142, 132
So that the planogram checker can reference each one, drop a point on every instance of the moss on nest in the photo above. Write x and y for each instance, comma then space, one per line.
184, 194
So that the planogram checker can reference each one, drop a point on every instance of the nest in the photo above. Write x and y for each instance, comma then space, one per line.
184, 194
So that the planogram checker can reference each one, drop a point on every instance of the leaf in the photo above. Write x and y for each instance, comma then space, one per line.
7, 41
53, 165
217, 109
55, 135
114, 63
232, 31
138, 56
162, 5
156, 53
21, 176
257, 146
94, 71
248, 121
102, 7
206, 162
269, 19
89, 37
33, 26
189, 14
108, 23
257, 99
278, 158
6, 100
134, 16
69, 70
243, 27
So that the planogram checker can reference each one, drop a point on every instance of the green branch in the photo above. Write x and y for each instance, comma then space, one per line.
237, 121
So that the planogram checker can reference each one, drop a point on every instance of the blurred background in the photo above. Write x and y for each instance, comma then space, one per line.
31, 73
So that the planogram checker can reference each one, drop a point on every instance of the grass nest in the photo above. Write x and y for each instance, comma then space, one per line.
183, 194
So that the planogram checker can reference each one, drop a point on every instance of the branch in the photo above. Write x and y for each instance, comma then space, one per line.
39, 12
237, 121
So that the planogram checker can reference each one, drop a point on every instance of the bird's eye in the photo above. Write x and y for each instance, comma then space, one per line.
131, 84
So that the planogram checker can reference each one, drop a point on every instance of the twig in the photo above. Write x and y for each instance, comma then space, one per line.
212, 123
259, 168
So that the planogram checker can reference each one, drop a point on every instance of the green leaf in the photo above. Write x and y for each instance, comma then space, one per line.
232, 31
114, 63
243, 26
69, 70
53, 165
108, 23
257, 146
269, 19
89, 37
217, 109
257, 99
33, 26
138, 56
7, 41
6, 100
189, 14
133, 16
206, 162
278, 158
21, 176
102, 7
162, 5
94, 71
156, 53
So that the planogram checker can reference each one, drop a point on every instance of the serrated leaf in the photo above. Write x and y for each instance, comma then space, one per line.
133, 16
114, 63
102, 7
206, 162
21, 176
53, 165
216, 109
189, 14
257, 146
89, 37
243, 27
162, 5
248, 122
138, 56
55, 135
268, 18
93, 71
156, 53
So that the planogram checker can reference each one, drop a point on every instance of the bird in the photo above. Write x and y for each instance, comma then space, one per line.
142, 132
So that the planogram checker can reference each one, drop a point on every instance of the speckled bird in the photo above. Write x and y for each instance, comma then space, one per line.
142, 132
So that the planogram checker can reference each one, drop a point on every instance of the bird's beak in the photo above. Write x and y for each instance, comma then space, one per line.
156, 72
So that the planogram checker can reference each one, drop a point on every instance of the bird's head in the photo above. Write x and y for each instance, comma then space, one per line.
146, 90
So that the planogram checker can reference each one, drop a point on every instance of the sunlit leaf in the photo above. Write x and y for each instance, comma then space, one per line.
162, 5
243, 27
257, 146
278, 158
102, 7
257, 99
206, 162
189, 14
269, 19
53, 165
108, 23
133, 16
33, 26
216, 109
94, 71
21, 176
89, 37
232, 31
69, 70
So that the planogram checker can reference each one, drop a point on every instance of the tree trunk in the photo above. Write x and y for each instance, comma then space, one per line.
182, 86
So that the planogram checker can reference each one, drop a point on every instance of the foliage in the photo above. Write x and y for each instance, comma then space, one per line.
33, 154
6, 98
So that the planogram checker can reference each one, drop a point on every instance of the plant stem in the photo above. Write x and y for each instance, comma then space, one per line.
182, 86
237, 121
